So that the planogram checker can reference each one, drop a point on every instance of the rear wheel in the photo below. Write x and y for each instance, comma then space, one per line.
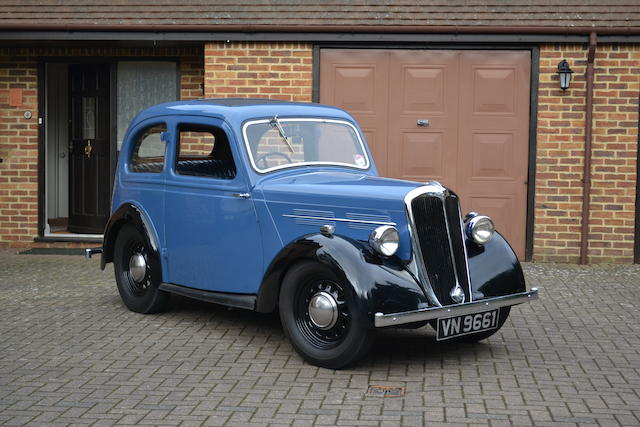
320, 317
138, 273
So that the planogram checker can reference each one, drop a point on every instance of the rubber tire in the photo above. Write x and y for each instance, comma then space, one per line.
153, 299
503, 315
351, 348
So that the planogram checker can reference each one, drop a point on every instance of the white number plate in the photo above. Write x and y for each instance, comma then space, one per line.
451, 327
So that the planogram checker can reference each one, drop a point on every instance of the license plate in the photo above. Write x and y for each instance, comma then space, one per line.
451, 327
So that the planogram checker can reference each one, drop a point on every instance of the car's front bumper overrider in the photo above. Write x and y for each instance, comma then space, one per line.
382, 320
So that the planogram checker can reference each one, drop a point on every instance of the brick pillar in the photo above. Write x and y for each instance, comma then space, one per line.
18, 147
560, 155
258, 70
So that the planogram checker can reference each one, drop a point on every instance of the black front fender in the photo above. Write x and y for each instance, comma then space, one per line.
494, 269
378, 283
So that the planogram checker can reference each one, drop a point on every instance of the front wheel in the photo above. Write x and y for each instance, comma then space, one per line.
138, 272
320, 317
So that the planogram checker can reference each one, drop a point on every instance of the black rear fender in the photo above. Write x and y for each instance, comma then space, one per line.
128, 213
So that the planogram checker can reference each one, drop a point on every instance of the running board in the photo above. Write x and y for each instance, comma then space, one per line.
246, 301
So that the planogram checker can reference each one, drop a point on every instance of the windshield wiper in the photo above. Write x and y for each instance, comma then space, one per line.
275, 123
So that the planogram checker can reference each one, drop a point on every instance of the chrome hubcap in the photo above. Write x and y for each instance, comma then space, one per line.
137, 267
323, 310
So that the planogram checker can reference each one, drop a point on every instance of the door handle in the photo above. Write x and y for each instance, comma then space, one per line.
242, 195
423, 122
88, 149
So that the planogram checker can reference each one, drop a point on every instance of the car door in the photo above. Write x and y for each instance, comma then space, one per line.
211, 227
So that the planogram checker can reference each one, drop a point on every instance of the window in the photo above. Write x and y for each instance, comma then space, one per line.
204, 151
280, 143
142, 84
148, 152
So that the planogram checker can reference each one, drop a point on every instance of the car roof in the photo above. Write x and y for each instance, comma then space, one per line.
237, 110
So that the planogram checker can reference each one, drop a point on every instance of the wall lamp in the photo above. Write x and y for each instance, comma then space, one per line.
564, 71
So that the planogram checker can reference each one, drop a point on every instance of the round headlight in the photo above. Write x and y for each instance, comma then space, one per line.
385, 240
480, 229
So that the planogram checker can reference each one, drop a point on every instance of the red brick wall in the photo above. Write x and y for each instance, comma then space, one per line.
19, 136
560, 154
18, 148
264, 70
284, 71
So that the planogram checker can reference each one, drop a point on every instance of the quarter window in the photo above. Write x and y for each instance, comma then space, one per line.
204, 151
148, 152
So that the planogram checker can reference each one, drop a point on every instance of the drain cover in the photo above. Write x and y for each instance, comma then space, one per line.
385, 391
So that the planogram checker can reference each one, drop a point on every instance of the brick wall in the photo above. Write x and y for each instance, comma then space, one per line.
18, 147
560, 154
284, 71
264, 70
19, 136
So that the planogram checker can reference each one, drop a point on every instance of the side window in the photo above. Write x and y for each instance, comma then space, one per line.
148, 152
204, 151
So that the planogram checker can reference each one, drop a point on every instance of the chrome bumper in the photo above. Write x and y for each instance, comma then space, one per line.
382, 319
89, 252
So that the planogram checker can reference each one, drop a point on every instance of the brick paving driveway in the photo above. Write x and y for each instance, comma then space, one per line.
70, 353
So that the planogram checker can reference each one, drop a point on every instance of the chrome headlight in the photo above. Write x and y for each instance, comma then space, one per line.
480, 229
385, 240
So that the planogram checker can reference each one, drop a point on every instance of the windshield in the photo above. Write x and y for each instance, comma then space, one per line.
278, 143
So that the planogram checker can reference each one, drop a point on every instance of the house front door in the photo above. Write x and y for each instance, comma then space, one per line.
89, 147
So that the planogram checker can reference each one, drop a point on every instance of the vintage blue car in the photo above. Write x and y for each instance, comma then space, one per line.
268, 205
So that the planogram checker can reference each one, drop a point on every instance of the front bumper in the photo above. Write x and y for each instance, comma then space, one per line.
382, 320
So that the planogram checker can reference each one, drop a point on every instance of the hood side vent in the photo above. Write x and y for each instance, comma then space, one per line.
313, 217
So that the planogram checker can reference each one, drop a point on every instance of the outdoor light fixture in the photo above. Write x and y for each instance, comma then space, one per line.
565, 74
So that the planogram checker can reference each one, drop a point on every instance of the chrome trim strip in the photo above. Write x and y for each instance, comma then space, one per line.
435, 189
464, 247
452, 255
358, 221
382, 320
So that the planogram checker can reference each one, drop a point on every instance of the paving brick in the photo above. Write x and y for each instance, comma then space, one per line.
72, 354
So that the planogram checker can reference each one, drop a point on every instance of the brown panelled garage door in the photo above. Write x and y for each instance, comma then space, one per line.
477, 107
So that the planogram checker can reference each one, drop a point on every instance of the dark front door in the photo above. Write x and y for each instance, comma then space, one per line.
89, 177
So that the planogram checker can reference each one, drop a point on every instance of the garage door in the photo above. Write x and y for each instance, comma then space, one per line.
459, 117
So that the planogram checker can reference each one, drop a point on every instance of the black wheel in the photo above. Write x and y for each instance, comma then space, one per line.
263, 158
137, 272
320, 317
503, 315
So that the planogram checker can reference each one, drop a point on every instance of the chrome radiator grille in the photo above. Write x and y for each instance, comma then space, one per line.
437, 229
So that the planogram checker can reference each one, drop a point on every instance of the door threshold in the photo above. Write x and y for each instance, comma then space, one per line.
70, 237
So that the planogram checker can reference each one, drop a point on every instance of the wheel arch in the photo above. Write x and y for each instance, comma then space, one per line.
128, 213
299, 251
377, 282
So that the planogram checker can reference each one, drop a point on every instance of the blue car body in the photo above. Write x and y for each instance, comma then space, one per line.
233, 241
